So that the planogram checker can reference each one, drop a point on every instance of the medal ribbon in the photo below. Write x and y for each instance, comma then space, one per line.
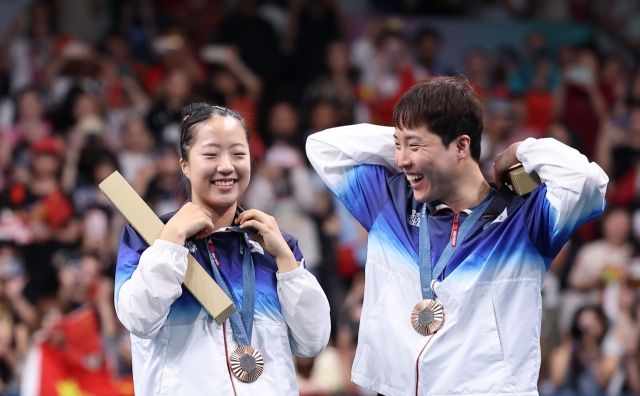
427, 273
241, 322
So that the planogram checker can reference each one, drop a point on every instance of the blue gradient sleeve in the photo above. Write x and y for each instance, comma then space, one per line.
364, 192
545, 230
131, 247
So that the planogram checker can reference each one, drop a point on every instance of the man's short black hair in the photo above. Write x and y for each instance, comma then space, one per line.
446, 106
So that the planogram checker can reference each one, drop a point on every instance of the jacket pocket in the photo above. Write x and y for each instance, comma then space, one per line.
469, 345
389, 347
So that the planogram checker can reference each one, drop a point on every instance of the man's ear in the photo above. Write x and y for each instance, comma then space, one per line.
463, 146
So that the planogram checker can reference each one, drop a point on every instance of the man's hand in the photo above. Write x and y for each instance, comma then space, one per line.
503, 162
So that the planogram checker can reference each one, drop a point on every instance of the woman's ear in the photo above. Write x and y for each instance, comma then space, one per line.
184, 165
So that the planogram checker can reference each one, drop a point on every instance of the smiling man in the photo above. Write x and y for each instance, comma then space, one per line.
455, 266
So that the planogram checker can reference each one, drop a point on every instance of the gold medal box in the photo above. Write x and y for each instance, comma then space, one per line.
149, 226
521, 182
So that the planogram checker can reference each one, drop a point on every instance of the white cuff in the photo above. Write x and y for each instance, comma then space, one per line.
173, 247
521, 153
291, 274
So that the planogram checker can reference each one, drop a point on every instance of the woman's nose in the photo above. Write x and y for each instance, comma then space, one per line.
225, 165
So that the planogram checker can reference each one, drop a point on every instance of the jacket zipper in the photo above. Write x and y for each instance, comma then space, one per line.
213, 253
226, 355
454, 229
418, 362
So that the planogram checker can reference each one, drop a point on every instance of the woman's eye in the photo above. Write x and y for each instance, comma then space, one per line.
240, 154
210, 155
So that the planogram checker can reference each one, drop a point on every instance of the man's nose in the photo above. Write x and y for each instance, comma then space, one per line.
402, 158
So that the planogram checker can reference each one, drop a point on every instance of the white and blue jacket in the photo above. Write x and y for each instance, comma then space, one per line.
178, 349
490, 341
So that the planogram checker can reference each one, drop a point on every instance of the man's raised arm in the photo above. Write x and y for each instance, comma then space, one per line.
355, 161
573, 192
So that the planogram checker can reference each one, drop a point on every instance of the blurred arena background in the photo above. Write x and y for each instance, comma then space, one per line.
91, 86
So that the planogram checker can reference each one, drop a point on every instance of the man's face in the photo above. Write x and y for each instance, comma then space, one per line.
430, 167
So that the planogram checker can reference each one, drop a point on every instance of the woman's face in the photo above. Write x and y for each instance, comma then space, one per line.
219, 165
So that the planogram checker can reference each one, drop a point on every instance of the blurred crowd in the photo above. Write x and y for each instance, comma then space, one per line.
86, 90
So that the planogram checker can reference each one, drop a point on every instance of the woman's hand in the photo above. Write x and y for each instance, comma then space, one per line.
269, 237
190, 220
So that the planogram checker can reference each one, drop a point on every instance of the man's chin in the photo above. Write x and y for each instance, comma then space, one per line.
421, 196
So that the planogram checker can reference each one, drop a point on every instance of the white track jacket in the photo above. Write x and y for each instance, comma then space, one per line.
490, 341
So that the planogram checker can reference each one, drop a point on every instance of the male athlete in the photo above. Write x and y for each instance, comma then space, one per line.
455, 266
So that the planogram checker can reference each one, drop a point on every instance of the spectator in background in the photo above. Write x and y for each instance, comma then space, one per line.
313, 25
28, 129
175, 55
498, 125
337, 84
235, 86
158, 182
618, 153
583, 101
427, 42
322, 115
47, 214
17, 317
283, 186
254, 38
477, 71
560, 132
614, 75
164, 118
621, 342
136, 151
579, 366
363, 48
539, 100
600, 265
32, 53
391, 75
284, 125
538, 68
506, 63
88, 116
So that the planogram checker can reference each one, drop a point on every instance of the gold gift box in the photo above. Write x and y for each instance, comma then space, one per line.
522, 182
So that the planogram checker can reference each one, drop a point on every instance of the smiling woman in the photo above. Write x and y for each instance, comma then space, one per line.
178, 348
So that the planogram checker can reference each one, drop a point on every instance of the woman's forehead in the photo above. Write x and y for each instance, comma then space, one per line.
221, 130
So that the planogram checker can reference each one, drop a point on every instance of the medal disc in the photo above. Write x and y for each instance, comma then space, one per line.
427, 317
246, 363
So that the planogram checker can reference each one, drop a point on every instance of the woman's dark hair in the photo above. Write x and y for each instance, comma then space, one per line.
193, 116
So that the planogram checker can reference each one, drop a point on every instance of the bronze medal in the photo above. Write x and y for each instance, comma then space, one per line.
427, 317
246, 363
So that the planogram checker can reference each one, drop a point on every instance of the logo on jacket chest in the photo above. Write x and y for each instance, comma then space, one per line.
191, 246
414, 218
